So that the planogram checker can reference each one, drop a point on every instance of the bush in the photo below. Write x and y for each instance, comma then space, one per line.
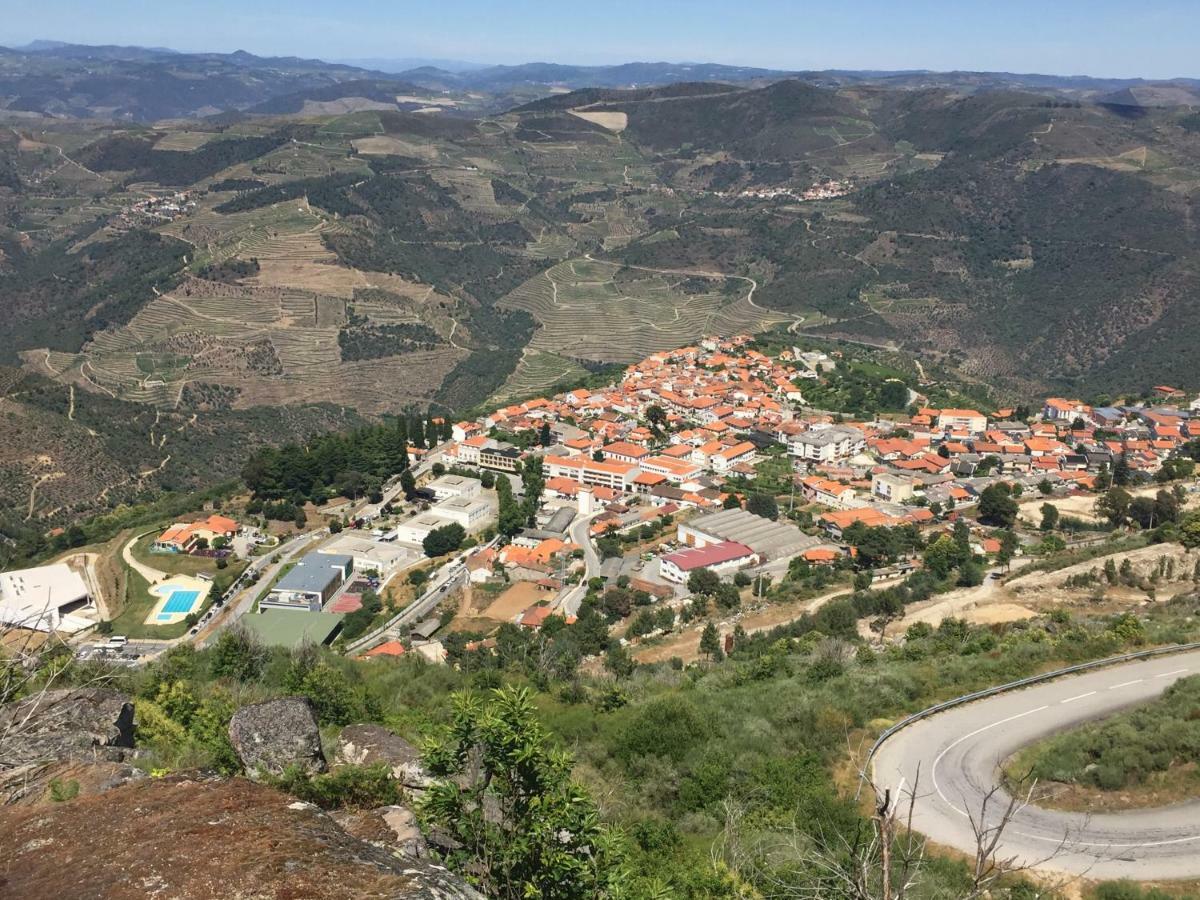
348, 787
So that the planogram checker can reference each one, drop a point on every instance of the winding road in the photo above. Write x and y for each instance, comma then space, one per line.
957, 755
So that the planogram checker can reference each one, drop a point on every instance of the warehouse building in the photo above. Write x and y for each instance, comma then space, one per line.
315, 579
723, 558
769, 540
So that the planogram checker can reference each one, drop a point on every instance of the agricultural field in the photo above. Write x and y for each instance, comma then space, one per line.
536, 374
606, 312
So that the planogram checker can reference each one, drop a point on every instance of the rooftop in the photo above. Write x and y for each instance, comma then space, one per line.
712, 555
292, 628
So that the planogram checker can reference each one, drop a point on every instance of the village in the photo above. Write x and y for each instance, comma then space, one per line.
698, 498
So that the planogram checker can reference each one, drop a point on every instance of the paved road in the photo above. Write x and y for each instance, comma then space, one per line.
958, 754
580, 533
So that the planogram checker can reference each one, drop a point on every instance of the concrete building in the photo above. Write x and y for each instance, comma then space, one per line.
44, 598
896, 488
504, 458
826, 444
969, 420
449, 486
418, 527
769, 540
723, 558
471, 514
381, 555
313, 580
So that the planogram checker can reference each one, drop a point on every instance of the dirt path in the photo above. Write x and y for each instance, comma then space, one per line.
686, 644
151, 575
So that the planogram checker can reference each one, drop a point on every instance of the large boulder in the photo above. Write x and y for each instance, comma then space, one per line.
367, 745
272, 736
195, 839
72, 723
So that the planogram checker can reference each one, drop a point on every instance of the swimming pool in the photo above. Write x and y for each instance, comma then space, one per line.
180, 602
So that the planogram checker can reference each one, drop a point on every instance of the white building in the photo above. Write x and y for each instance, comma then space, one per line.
44, 598
467, 512
449, 486
415, 530
969, 420
896, 488
722, 558
826, 444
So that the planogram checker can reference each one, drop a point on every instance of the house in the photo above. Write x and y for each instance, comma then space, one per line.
723, 558
184, 537
311, 583
44, 598
826, 492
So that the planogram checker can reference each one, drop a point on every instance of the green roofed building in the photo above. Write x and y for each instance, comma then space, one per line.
291, 628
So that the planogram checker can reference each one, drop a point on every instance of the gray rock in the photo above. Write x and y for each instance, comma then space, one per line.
366, 745
73, 723
269, 737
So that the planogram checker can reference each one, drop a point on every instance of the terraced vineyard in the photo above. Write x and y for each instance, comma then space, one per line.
273, 346
536, 374
602, 311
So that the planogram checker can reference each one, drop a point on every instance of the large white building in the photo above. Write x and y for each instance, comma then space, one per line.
470, 514
826, 444
44, 598
450, 486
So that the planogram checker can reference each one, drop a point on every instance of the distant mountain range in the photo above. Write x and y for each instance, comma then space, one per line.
149, 83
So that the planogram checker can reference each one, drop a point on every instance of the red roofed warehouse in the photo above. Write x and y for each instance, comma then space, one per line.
722, 558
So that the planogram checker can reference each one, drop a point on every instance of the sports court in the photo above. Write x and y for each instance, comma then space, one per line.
178, 596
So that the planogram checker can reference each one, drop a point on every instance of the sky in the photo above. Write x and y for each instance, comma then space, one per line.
1150, 39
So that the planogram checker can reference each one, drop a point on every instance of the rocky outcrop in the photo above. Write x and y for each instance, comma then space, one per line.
56, 782
269, 737
190, 839
76, 723
366, 745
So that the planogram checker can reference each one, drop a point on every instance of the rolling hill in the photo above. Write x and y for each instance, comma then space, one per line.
332, 245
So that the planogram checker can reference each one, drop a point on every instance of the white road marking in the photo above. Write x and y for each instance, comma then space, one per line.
1169, 674
1127, 683
967, 737
1079, 697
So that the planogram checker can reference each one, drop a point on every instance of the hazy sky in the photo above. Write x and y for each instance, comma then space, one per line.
1152, 38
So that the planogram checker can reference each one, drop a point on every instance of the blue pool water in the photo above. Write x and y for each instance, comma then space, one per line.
180, 602
163, 617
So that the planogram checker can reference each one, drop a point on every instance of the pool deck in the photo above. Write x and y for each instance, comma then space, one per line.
164, 589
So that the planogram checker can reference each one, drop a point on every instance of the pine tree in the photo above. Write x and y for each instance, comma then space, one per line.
710, 642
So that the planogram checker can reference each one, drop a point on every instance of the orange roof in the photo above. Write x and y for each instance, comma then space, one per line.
820, 554
220, 523
387, 648
625, 448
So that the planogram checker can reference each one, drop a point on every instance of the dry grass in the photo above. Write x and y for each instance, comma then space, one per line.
613, 121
